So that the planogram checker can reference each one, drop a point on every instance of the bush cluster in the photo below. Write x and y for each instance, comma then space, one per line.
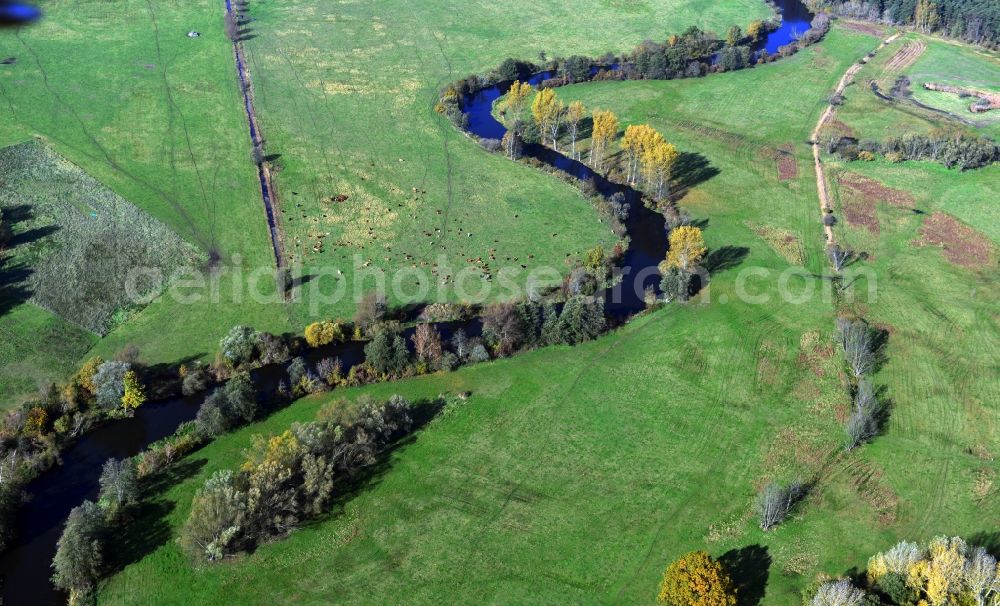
289, 477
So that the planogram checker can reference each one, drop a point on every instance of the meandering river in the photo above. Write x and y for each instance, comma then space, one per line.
26, 565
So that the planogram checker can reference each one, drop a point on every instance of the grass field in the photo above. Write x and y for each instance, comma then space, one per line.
574, 475
37, 348
345, 96
155, 117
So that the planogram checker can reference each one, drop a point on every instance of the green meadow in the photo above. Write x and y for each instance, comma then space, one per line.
344, 95
575, 475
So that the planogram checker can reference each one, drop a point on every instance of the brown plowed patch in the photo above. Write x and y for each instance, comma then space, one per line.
788, 168
962, 245
906, 56
836, 127
859, 211
865, 28
875, 191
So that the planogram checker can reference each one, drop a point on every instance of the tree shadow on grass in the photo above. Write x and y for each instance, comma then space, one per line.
14, 289
725, 257
989, 540
692, 169
748, 567
143, 527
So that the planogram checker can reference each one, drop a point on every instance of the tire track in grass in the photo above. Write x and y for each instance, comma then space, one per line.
174, 108
448, 134
177, 207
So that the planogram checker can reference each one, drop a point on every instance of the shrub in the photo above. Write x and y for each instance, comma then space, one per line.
676, 284
490, 145
229, 406
952, 149
696, 579
387, 352
83, 262
240, 346
287, 477
273, 349
195, 381
296, 370
318, 334
85, 376
109, 384
36, 420
80, 551
331, 371
216, 516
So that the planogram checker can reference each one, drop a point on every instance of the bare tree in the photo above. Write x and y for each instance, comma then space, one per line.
838, 256
427, 343
858, 341
372, 309
118, 481
775, 502
981, 577
7, 465
838, 593
864, 422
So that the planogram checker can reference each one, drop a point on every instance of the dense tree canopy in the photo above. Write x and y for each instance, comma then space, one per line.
973, 20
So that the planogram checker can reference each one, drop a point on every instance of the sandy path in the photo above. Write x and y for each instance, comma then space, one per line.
845, 80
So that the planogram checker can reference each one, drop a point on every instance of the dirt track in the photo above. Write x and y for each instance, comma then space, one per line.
845, 80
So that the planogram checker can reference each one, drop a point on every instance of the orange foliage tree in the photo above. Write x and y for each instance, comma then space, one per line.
697, 580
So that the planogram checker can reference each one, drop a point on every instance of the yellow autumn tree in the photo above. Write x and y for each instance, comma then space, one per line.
605, 130
36, 420
941, 573
323, 333
687, 249
85, 376
548, 112
516, 97
574, 115
755, 29
658, 165
697, 580
637, 139
135, 393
